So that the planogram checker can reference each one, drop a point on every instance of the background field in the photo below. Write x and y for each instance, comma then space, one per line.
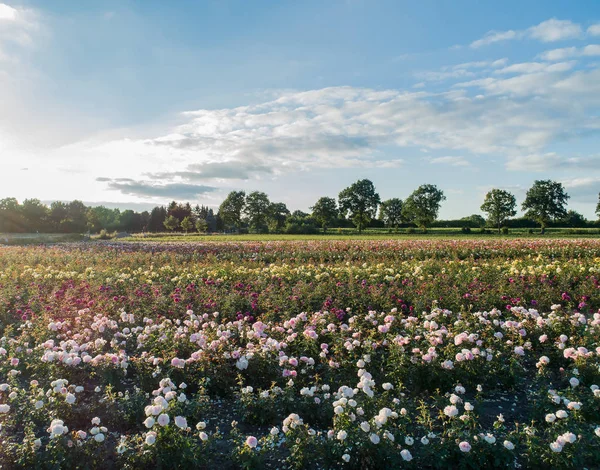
333, 234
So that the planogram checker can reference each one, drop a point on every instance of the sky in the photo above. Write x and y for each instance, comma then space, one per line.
136, 103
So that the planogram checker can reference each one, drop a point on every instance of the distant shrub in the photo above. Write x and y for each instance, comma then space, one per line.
504, 230
301, 229
104, 235
465, 229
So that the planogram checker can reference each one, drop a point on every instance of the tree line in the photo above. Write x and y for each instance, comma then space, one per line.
358, 205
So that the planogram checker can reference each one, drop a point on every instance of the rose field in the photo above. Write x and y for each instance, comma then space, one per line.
376, 354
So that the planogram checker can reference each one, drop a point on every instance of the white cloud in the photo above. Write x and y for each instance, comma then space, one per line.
481, 64
550, 83
567, 52
591, 50
496, 36
345, 127
535, 67
533, 162
7, 13
463, 70
452, 161
551, 30
16, 27
444, 75
551, 161
559, 54
594, 30
555, 30
585, 189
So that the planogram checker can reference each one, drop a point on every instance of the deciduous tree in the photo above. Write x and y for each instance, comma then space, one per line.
359, 200
499, 206
187, 224
545, 201
171, 223
256, 209
230, 210
325, 211
423, 205
390, 212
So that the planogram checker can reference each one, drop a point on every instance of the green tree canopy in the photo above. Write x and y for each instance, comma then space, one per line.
276, 215
361, 201
545, 201
58, 213
230, 210
256, 209
201, 225
598, 206
76, 220
35, 214
423, 205
187, 224
11, 219
573, 219
475, 219
499, 206
130, 221
325, 212
390, 212
101, 217
157, 217
171, 222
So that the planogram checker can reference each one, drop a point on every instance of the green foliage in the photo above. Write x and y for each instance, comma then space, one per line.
101, 218
359, 200
187, 224
325, 211
257, 209
390, 212
499, 205
231, 209
277, 212
201, 225
573, 219
545, 201
171, 223
423, 205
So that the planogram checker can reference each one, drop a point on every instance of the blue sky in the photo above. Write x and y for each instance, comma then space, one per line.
136, 103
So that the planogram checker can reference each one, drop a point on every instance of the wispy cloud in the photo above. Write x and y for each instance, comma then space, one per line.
553, 55
551, 161
535, 106
234, 169
584, 189
461, 71
17, 25
492, 37
536, 67
452, 161
551, 30
152, 189
555, 30
594, 30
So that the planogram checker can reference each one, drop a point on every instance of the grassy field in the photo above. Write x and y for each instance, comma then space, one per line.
332, 234
372, 234
38, 238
